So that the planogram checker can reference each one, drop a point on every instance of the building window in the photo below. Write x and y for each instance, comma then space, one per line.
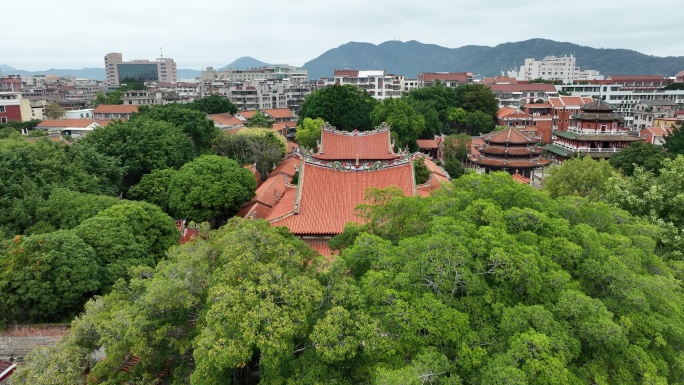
2, 108
3, 119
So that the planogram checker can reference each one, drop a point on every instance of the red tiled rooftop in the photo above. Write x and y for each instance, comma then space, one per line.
115, 109
336, 145
520, 87
345, 72
225, 119
319, 245
503, 111
475, 144
450, 76
279, 113
519, 178
510, 135
247, 114
287, 166
76, 123
327, 197
428, 143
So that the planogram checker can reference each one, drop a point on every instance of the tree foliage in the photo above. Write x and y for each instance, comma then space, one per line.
54, 111
457, 147
260, 146
259, 120
646, 155
434, 103
142, 145
309, 132
210, 187
343, 106
214, 104
674, 142
154, 188
405, 122
46, 277
193, 122
488, 281
583, 177
421, 171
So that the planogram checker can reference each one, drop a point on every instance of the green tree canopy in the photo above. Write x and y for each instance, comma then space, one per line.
476, 97
646, 155
406, 123
259, 120
421, 171
154, 188
214, 104
260, 146
345, 107
488, 281
142, 145
478, 123
309, 132
674, 142
128, 235
46, 277
583, 177
210, 187
192, 122
54, 111
439, 99
457, 147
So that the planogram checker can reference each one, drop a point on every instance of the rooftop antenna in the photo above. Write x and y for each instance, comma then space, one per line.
161, 53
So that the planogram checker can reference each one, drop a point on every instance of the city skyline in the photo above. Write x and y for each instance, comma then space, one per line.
78, 33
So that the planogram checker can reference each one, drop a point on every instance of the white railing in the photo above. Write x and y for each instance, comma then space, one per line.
586, 131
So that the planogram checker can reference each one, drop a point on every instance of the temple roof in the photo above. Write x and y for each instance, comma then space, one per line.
503, 150
362, 145
509, 163
598, 138
328, 193
510, 136
597, 106
602, 117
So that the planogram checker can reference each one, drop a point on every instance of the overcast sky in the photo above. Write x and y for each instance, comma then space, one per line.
42, 34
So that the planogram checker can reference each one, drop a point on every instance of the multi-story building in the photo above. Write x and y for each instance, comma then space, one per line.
376, 82
142, 97
163, 69
646, 113
14, 108
263, 95
626, 95
563, 69
522, 93
294, 74
449, 79
596, 131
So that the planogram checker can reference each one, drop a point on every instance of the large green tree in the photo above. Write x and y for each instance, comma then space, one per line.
260, 146
405, 122
346, 107
476, 97
193, 123
46, 277
154, 188
142, 145
214, 104
583, 177
210, 187
674, 142
259, 120
646, 155
433, 103
309, 132
478, 122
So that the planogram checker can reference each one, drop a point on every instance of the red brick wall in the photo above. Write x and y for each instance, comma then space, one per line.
563, 116
544, 129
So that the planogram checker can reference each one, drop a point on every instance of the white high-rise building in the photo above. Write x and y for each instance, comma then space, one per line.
554, 68
162, 70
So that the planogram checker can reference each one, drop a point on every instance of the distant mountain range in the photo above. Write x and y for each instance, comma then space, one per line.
411, 58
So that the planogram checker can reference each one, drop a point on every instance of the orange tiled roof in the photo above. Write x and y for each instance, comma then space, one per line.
519, 178
327, 197
503, 111
659, 130
475, 143
510, 135
450, 76
247, 114
510, 163
287, 166
77, 123
569, 101
115, 109
254, 210
226, 119
320, 245
369, 145
516, 114
279, 113
428, 143
520, 87
512, 150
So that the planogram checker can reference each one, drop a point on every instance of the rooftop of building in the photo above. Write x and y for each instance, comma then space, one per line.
361, 145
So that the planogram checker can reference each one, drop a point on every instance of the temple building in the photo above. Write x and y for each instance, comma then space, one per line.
596, 131
510, 150
332, 181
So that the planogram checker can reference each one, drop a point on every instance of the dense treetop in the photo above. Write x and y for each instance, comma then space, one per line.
486, 281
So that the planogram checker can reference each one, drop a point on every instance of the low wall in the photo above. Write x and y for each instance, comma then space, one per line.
18, 340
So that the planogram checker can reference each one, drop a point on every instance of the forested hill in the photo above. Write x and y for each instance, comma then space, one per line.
412, 57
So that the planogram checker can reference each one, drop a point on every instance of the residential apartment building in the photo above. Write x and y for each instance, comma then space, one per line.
377, 83
515, 95
264, 95
562, 68
294, 74
142, 97
163, 69
449, 79
626, 95
646, 113
114, 111
14, 108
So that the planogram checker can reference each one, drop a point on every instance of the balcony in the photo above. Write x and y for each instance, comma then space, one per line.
599, 131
